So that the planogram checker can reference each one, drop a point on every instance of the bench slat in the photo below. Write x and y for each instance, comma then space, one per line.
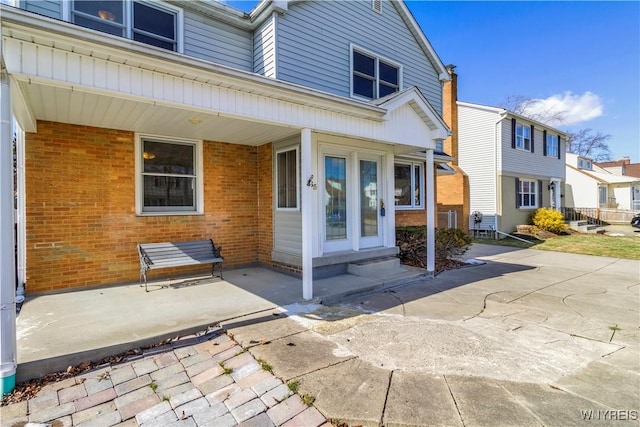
176, 254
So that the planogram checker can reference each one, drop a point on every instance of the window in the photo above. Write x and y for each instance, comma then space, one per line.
373, 77
523, 137
170, 181
602, 196
287, 179
152, 23
584, 163
409, 182
527, 192
551, 146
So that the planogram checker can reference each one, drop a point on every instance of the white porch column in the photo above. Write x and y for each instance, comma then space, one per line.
307, 213
8, 345
431, 213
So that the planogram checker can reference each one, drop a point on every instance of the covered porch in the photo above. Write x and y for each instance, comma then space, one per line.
59, 74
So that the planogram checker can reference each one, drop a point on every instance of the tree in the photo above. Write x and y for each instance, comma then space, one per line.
583, 142
534, 109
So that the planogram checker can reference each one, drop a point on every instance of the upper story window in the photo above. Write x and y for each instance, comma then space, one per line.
552, 145
373, 77
584, 163
169, 177
153, 23
409, 182
287, 179
523, 137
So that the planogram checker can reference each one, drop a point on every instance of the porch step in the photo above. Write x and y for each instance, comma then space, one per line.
585, 227
374, 267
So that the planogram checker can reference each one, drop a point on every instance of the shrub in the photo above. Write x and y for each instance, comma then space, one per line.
412, 242
548, 219
451, 243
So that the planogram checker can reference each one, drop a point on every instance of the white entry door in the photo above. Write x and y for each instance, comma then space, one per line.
351, 208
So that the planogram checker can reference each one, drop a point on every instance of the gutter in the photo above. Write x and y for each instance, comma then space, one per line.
182, 65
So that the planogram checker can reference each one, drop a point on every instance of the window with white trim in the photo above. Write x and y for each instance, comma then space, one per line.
373, 77
170, 179
287, 179
552, 145
154, 23
523, 137
409, 184
527, 194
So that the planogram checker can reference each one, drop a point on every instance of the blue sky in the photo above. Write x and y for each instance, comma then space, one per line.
583, 57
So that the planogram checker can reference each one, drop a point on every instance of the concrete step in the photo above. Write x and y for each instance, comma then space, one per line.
374, 267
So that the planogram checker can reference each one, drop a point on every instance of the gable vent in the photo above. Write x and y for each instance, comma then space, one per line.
377, 5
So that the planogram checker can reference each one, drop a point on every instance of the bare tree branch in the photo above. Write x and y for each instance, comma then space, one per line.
585, 143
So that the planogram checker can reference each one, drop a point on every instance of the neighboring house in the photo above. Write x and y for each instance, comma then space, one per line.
622, 166
590, 186
279, 133
514, 165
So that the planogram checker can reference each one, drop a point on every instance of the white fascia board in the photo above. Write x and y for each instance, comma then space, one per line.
123, 51
428, 49
21, 109
414, 97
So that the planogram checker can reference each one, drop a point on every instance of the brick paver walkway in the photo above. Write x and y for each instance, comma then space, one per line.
211, 383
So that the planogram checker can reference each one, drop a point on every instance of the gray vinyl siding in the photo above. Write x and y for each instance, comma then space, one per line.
218, 42
50, 8
318, 56
476, 154
287, 232
525, 163
264, 49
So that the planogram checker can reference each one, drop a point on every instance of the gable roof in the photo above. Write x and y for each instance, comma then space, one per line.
607, 178
506, 113
264, 9
414, 98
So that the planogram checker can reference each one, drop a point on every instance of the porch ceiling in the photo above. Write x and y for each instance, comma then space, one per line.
65, 105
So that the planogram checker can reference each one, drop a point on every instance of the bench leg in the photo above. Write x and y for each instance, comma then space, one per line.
144, 274
213, 270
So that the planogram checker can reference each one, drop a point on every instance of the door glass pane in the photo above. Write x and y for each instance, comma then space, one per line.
403, 185
368, 198
335, 172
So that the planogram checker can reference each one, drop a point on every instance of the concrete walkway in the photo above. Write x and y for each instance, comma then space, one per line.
529, 338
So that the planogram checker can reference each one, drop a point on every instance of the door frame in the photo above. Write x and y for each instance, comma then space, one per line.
353, 155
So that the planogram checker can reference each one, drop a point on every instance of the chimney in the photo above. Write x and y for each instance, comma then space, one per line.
626, 160
450, 113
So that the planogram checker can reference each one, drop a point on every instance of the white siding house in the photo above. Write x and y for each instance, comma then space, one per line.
515, 165
590, 186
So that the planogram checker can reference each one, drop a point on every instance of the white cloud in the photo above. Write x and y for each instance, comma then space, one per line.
566, 109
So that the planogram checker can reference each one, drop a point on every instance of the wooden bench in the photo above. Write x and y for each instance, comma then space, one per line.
177, 254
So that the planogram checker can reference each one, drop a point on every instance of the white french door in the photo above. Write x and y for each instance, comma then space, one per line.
351, 214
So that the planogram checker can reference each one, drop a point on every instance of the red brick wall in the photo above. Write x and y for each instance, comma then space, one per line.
81, 224
265, 203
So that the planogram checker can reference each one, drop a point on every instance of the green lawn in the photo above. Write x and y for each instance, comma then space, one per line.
586, 244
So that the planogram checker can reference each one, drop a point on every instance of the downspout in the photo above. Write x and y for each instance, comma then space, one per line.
497, 146
21, 233
8, 345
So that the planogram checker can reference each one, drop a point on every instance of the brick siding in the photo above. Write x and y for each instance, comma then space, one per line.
81, 224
